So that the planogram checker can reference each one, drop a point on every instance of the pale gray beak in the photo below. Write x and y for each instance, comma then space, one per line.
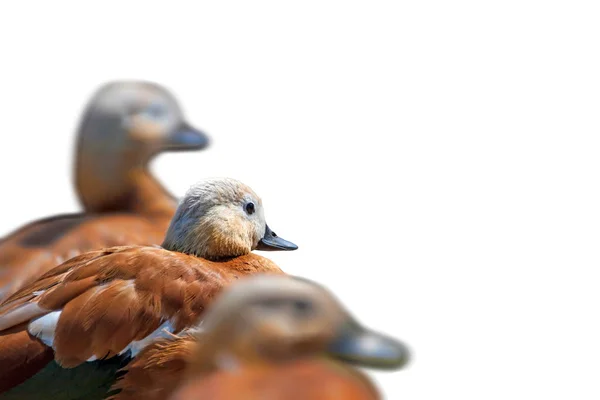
360, 346
186, 137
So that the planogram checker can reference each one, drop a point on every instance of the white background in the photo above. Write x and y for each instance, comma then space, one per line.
437, 162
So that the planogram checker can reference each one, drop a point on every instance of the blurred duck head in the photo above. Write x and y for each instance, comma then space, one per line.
274, 318
124, 126
139, 119
220, 218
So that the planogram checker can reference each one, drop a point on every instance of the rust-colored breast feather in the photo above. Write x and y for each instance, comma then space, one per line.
301, 380
38, 247
109, 298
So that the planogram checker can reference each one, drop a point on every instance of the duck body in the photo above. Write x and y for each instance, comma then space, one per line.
106, 303
42, 245
141, 218
313, 379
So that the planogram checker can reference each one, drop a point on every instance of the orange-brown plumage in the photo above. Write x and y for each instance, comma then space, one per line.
42, 245
158, 370
114, 296
118, 300
123, 203
315, 379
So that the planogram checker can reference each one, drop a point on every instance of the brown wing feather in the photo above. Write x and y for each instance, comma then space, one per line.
40, 246
157, 370
112, 297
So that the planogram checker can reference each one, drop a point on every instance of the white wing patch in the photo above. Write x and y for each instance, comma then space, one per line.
163, 331
44, 327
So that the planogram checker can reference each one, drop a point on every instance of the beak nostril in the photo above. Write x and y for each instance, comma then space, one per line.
274, 234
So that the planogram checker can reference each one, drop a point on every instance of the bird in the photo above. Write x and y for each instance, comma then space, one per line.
123, 127
107, 305
265, 338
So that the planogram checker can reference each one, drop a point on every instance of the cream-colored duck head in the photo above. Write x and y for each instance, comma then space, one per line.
275, 318
124, 126
221, 218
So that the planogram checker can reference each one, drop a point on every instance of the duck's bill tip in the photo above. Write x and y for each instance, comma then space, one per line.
186, 137
370, 349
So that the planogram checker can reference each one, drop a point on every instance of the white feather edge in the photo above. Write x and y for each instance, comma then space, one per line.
163, 331
44, 328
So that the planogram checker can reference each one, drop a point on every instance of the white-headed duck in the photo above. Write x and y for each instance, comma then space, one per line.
114, 302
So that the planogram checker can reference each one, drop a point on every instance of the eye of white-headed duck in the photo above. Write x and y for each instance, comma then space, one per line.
298, 307
155, 110
250, 208
303, 308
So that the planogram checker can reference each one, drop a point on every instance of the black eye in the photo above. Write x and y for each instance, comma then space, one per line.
302, 307
249, 208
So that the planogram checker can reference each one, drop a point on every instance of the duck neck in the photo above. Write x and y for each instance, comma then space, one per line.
109, 183
211, 235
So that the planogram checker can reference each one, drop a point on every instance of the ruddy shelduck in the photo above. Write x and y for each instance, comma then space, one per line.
265, 338
114, 302
124, 126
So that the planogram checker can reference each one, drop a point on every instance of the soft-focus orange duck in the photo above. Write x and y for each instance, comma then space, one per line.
265, 338
114, 302
124, 126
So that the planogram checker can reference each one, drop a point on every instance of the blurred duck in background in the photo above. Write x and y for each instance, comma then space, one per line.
265, 338
124, 126
96, 311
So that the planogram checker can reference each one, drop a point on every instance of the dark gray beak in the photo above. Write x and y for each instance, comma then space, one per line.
360, 346
186, 137
272, 242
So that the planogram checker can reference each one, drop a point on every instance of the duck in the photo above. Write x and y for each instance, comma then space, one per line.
105, 306
266, 337
124, 126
